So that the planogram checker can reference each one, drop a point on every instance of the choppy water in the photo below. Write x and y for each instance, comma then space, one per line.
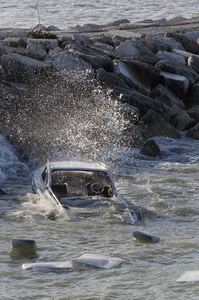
64, 13
167, 190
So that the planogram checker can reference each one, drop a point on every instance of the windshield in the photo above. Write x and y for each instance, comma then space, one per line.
81, 183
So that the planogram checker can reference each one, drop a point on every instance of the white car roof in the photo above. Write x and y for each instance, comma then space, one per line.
76, 165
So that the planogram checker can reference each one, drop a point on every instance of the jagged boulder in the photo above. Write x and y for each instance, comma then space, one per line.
98, 59
165, 95
177, 69
23, 69
189, 44
184, 121
153, 124
150, 148
193, 132
11, 42
109, 80
136, 50
193, 98
161, 42
70, 64
146, 72
171, 57
36, 51
131, 78
177, 84
194, 112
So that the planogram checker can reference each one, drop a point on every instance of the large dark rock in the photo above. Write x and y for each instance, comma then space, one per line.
109, 80
178, 69
142, 102
136, 50
176, 83
150, 148
71, 65
174, 58
23, 69
189, 44
131, 78
194, 112
165, 95
145, 72
184, 121
193, 132
153, 124
98, 59
161, 42
193, 98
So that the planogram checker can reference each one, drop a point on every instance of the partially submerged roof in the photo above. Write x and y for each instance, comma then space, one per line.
76, 165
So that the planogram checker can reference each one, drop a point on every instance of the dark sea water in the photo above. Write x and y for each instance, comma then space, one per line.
165, 188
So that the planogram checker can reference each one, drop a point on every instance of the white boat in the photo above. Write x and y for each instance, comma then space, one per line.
73, 185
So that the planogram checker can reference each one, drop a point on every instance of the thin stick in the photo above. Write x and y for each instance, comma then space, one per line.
36, 7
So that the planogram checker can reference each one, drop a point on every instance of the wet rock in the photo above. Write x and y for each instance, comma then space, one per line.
79, 39
172, 57
194, 112
146, 73
162, 93
193, 98
109, 80
184, 121
39, 48
23, 41
2, 74
178, 69
70, 64
160, 42
22, 69
193, 132
36, 51
11, 42
189, 44
95, 58
150, 148
144, 103
193, 62
153, 124
177, 84
130, 78
136, 50
193, 35
183, 54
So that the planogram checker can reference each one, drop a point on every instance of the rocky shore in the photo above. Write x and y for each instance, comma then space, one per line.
151, 68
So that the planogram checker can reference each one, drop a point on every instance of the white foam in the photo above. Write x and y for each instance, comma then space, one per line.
189, 276
48, 265
99, 261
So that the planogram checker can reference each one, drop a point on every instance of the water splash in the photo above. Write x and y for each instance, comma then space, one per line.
66, 118
10, 166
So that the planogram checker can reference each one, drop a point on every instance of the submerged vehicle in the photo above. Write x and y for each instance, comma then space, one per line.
73, 185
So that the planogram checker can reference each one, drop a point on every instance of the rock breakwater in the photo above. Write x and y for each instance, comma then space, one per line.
151, 68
